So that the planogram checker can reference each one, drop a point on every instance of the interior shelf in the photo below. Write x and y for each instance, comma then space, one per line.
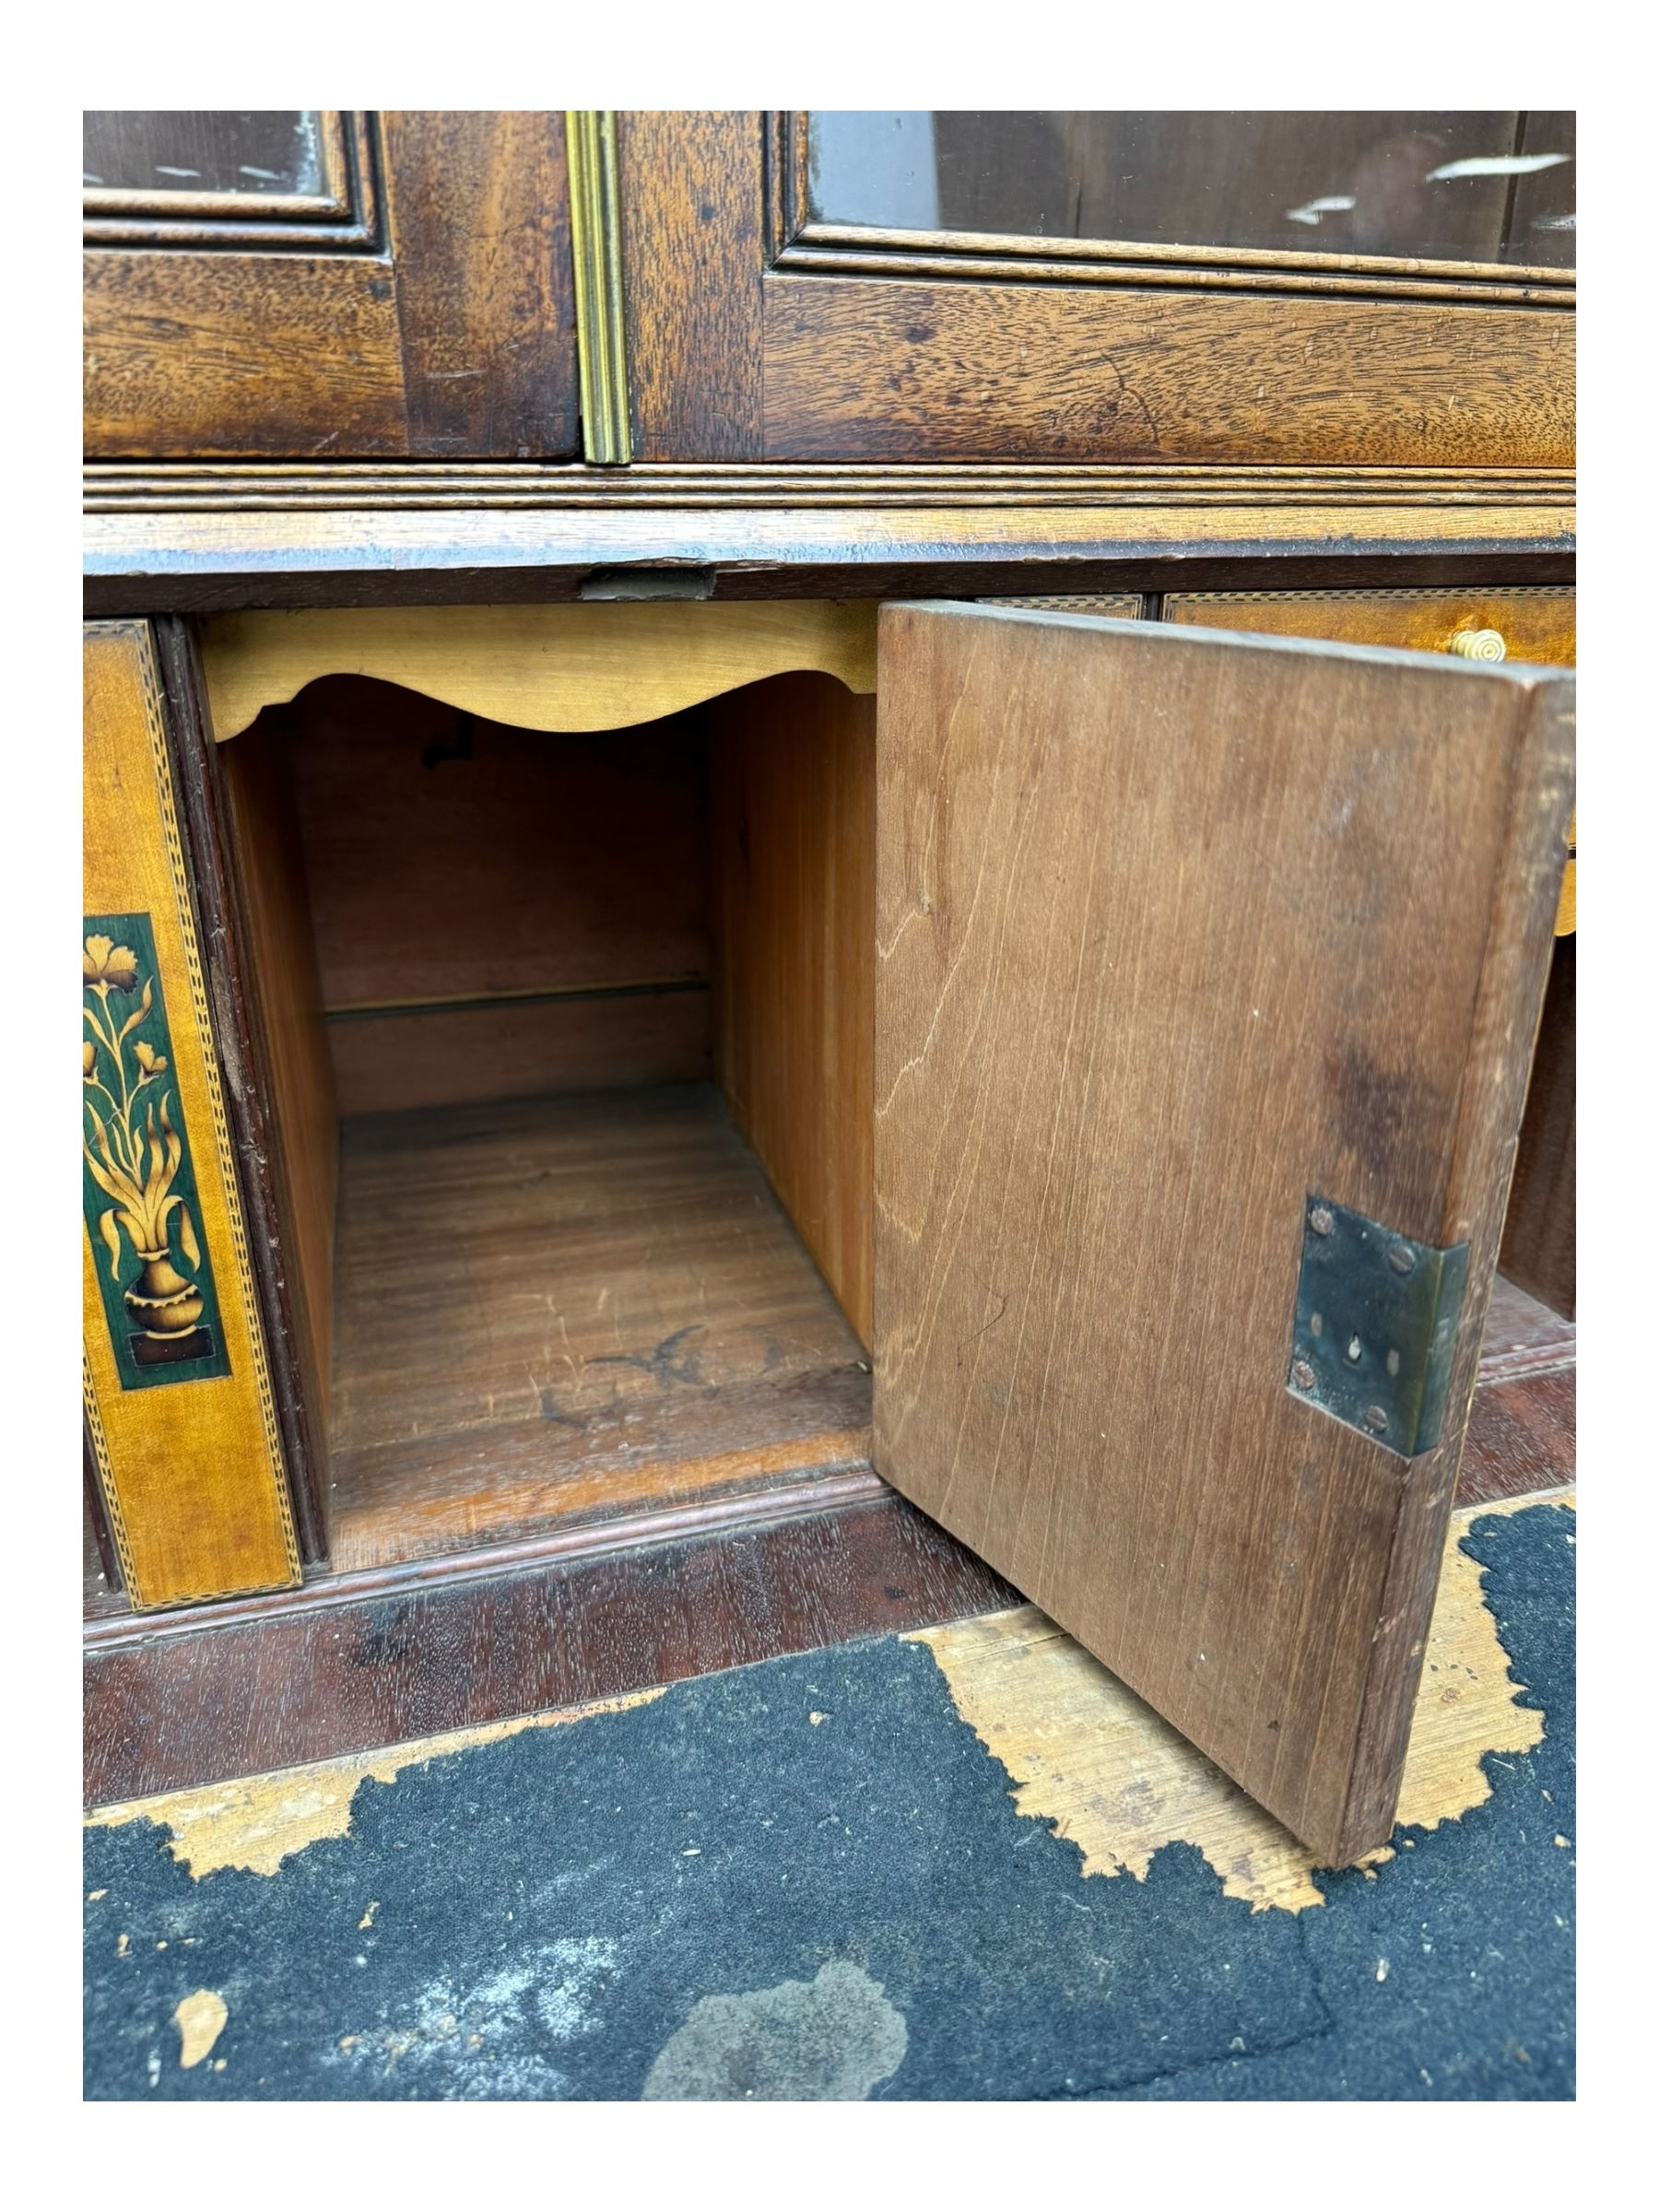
552, 1312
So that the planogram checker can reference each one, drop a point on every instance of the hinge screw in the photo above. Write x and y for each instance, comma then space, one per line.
1321, 1221
1376, 1419
1301, 1375
1401, 1260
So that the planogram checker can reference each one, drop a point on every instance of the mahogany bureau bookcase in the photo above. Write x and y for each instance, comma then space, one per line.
796, 816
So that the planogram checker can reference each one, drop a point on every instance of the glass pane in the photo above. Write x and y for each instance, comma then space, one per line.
182, 149
1446, 187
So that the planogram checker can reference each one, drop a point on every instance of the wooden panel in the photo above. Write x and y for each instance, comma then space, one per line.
284, 993
1172, 929
241, 353
1524, 1335
452, 858
793, 806
1523, 1437
182, 1423
520, 1049
371, 1667
938, 371
262, 557
567, 669
692, 214
1540, 1235
480, 207
233, 990
420, 305
567, 1310
1537, 623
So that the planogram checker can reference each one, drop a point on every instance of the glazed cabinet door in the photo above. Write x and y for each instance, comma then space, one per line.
1208, 967
315, 283
1370, 291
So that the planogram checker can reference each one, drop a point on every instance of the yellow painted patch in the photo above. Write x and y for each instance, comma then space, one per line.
1088, 1755
258, 1822
199, 2018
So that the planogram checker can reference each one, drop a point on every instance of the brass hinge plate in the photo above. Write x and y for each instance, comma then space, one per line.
1376, 1319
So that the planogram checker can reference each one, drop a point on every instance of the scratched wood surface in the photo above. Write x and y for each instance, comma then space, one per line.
1538, 624
859, 370
793, 813
454, 333
1172, 929
570, 1309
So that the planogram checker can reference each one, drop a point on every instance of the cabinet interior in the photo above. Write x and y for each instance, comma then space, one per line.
568, 1046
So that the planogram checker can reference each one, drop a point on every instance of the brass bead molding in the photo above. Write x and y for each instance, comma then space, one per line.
1479, 645
596, 247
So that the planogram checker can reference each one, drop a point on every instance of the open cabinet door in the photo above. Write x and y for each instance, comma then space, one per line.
1208, 971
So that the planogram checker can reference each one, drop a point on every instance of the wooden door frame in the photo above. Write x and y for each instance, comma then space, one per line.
420, 306
759, 334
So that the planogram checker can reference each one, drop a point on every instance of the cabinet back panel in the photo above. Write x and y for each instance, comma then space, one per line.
466, 880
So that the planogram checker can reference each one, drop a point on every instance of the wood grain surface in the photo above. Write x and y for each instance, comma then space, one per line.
1523, 1436
957, 371
1174, 928
282, 989
478, 211
693, 210
442, 324
566, 668
206, 562
1537, 623
521, 1048
569, 1309
208, 353
452, 858
222, 901
351, 1669
1540, 1234
192, 1471
793, 771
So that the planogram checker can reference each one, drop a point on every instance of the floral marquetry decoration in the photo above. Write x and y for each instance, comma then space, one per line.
142, 1210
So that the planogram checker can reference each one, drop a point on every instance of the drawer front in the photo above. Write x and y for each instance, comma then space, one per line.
1536, 622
